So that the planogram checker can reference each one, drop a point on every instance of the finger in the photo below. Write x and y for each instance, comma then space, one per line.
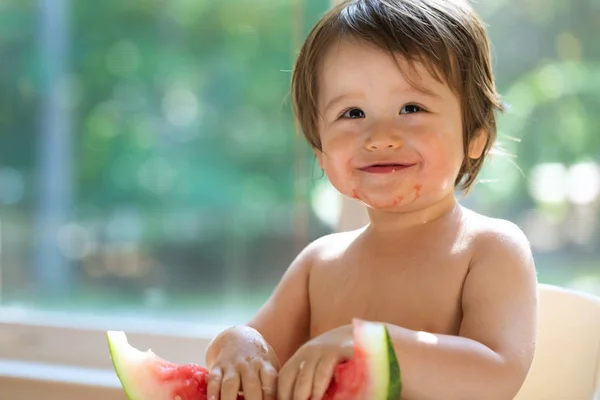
304, 380
251, 385
230, 384
268, 378
214, 383
323, 374
287, 379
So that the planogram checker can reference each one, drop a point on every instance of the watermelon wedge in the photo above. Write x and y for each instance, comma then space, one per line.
372, 374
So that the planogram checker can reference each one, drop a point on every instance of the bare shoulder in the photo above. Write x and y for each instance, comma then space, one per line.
492, 237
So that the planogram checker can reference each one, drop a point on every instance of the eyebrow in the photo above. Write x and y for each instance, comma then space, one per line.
339, 98
414, 89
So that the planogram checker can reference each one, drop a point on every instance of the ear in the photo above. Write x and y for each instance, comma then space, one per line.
477, 144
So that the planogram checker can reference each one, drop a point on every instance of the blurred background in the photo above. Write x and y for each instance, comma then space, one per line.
149, 164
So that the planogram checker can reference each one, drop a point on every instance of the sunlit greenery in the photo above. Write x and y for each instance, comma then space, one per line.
188, 186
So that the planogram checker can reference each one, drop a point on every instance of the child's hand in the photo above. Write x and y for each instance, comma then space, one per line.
309, 371
242, 360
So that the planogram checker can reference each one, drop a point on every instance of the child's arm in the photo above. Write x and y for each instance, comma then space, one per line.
491, 357
284, 320
250, 355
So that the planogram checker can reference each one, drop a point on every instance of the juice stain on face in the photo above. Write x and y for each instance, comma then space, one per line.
354, 181
397, 201
356, 193
365, 198
417, 191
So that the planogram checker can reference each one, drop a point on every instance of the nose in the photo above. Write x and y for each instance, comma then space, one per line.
383, 137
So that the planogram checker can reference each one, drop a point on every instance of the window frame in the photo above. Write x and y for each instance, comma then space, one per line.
43, 337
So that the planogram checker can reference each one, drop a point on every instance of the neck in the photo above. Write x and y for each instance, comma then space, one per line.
390, 221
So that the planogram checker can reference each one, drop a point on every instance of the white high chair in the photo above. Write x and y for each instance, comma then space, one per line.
566, 364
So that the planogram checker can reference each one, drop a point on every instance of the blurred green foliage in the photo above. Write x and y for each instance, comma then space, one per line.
183, 139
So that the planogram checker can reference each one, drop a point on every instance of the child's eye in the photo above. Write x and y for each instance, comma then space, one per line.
354, 113
410, 108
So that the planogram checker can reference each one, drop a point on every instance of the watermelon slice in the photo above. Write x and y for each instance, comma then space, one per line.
372, 374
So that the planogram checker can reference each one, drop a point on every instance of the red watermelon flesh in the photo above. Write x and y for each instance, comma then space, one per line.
348, 380
372, 374
145, 376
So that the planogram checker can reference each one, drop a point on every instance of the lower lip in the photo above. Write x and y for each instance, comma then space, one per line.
387, 169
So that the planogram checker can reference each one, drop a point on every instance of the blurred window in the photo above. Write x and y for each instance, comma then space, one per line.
151, 177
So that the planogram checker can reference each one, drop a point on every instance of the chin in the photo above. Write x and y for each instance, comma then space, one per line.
384, 203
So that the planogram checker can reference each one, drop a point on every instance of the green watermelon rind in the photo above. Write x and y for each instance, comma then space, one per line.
395, 385
117, 346
383, 363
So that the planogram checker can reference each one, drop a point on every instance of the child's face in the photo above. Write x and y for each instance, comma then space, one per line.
384, 142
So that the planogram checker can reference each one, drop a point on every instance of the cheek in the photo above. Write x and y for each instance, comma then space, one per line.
444, 150
337, 138
340, 173
338, 169
338, 150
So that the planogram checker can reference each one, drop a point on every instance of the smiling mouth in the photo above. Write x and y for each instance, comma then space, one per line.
385, 168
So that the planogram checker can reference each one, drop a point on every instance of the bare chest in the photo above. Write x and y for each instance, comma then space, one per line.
416, 290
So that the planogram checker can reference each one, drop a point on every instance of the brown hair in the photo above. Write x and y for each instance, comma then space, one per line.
446, 36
